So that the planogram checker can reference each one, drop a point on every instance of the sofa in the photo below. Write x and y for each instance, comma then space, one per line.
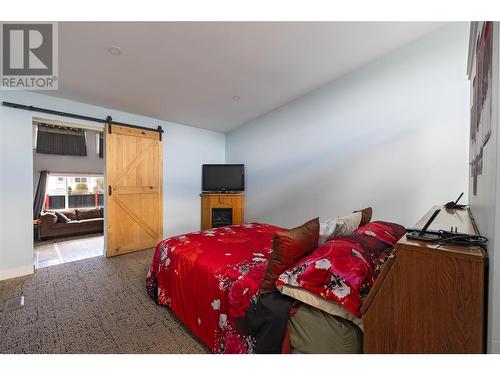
82, 221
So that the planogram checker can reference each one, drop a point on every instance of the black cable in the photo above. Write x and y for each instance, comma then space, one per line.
448, 238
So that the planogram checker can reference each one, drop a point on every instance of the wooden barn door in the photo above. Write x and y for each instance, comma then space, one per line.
134, 178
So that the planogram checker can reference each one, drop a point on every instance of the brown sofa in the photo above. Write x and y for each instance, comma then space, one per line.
82, 220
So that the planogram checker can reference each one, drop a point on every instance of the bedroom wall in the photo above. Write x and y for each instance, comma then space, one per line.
185, 150
485, 209
392, 135
90, 164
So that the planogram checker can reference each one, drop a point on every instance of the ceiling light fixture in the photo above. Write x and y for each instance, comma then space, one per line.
114, 50
236, 97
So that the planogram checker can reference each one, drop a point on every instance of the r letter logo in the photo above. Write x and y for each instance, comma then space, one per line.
29, 56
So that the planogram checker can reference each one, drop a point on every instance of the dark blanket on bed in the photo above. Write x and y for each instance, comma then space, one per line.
266, 321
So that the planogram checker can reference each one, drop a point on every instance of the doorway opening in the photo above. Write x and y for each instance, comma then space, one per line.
68, 191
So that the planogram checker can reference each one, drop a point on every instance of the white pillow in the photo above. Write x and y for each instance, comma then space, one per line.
326, 231
339, 226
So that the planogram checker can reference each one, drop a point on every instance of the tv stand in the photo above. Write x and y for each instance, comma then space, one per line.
221, 192
221, 209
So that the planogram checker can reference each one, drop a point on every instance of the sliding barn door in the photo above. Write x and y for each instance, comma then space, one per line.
134, 175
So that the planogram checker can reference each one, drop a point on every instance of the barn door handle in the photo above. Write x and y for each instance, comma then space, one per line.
110, 190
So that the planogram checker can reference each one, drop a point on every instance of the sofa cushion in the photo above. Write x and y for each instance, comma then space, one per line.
88, 213
91, 221
60, 225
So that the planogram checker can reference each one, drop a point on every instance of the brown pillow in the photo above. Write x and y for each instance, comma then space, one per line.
366, 216
288, 248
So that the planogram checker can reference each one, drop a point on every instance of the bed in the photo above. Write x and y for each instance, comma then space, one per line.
211, 279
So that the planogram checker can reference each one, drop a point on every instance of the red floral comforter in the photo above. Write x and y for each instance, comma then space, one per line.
345, 268
208, 279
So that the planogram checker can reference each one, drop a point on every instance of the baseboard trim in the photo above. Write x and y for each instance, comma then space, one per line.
16, 272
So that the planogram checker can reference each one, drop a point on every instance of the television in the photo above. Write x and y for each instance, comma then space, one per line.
223, 177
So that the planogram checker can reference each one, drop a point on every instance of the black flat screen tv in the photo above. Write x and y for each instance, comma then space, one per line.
223, 177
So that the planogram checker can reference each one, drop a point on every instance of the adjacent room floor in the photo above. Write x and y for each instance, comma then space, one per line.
64, 250
96, 305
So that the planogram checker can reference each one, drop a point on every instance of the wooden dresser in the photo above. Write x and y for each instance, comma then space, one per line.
429, 298
222, 205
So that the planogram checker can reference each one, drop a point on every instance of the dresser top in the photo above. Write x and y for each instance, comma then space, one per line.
447, 218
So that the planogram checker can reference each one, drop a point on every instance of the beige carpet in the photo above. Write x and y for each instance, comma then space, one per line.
96, 305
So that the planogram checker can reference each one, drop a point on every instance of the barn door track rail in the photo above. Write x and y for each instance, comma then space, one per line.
108, 120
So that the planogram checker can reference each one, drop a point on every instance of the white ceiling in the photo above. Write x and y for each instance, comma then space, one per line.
189, 72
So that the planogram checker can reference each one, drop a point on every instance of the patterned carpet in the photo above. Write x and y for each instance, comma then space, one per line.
96, 305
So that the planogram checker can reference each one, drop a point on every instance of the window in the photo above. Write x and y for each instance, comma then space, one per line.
61, 183
74, 192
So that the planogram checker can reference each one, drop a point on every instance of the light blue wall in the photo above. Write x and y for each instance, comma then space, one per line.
392, 135
185, 150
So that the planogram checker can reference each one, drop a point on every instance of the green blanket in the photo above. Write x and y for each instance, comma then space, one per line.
313, 331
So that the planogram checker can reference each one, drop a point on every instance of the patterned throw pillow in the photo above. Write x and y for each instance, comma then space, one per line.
345, 268
389, 233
